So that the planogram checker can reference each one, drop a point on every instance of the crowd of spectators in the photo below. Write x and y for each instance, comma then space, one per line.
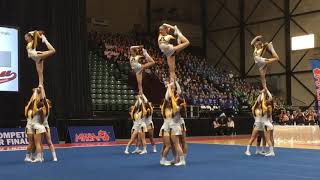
203, 84
297, 117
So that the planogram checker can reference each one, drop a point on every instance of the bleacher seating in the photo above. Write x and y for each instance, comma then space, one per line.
109, 89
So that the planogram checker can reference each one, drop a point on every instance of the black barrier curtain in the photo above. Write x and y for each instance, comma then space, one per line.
66, 73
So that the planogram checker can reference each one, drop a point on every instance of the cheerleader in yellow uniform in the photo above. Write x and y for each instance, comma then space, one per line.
38, 57
36, 112
149, 122
168, 49
181, 108
259, 49
267, 103
257, 113
29, 127
139, 128
138, 67
167, 114
170, 131
261, 111
46, 103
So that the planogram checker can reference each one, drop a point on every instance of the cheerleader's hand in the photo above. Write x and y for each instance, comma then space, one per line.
144, 52
168, 25
41, 32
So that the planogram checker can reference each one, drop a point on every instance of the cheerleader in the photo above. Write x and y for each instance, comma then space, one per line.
259, 50
170, 131
29, 127
149, 123
36, 113
167, 114
136, 66
267, 104
32, 39
258, 125
139, 127
168, 49
47, 104
181, 107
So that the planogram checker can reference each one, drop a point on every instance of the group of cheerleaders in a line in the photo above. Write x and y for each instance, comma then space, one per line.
263, 107
38, 108
173, 130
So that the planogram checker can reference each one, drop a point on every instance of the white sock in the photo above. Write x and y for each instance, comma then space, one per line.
248, 148
264, 148
127, 148
38, 156
271, 149
28, 155
182, 159
54, 155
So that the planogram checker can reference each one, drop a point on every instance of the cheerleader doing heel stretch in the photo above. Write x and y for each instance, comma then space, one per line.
168, 49
32, 39
137, 67
259, 49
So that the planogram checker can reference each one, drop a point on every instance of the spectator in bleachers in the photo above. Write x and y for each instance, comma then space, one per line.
223, 122
310, 116
231, 126
216, 127
299, 118
293, 117
284, 118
